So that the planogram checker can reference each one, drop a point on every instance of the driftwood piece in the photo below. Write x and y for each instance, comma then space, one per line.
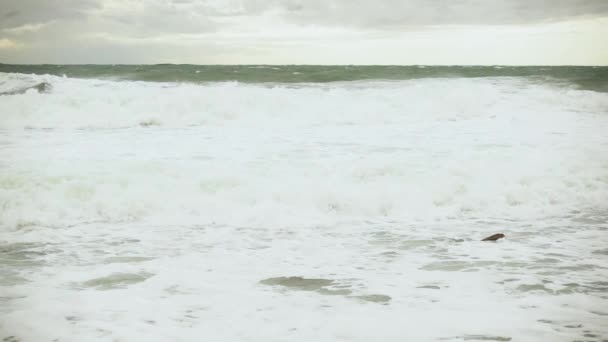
494, 237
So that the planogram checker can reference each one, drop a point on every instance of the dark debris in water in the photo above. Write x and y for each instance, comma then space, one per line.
494, 237
148, 123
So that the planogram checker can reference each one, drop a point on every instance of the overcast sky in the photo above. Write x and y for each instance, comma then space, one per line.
532, 32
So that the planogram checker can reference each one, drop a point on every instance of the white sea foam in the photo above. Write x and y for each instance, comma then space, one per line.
381, 187
426, 149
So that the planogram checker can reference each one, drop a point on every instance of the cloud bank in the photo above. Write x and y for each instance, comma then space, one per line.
302, 31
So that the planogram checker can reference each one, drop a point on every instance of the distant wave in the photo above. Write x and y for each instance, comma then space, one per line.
78, 103
42, 87
589, 78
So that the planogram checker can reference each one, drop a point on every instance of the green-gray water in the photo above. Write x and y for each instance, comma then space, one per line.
583, 77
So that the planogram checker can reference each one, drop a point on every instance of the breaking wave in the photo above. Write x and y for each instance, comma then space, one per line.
430, 149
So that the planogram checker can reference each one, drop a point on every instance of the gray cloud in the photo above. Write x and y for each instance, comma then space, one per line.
155, 16
127, 17
386, 13
137, 30
193, 15
15, 13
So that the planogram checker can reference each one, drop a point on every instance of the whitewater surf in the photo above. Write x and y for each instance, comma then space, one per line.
141, 206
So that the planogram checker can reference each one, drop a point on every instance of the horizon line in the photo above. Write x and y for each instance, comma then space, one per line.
318, 65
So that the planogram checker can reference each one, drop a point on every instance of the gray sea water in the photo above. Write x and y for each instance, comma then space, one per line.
584, 77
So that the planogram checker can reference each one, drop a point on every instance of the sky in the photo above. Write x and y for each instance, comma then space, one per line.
397, 32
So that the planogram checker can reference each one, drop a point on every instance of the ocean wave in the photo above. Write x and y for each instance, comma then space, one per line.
77, 103
237, 153
589, 78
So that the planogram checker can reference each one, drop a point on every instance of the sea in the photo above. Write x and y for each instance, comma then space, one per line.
303, 203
